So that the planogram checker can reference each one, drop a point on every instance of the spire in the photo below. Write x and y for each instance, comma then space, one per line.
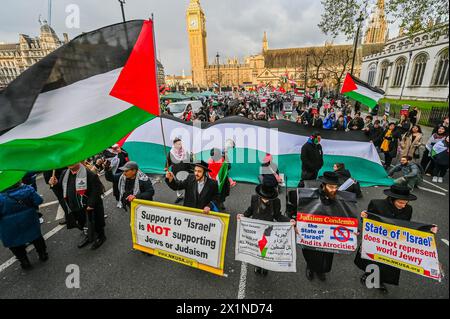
378, 27
265, 42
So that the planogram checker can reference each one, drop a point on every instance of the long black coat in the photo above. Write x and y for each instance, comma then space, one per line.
393, 145
272, 212
384, 208
192, 198
312, 160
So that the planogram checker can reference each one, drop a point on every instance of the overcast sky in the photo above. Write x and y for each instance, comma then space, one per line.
235, 27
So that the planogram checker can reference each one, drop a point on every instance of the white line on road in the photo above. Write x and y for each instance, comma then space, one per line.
242, 281
12, 260
108, 192
59, 213
445, 241
435, 186
48, 204
431, 191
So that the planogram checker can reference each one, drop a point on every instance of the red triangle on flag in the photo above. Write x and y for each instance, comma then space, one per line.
137, 83
349, 85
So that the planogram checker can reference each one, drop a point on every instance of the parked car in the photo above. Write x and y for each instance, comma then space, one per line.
178, 108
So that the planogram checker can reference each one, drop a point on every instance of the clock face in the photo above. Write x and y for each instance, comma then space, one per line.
193, 23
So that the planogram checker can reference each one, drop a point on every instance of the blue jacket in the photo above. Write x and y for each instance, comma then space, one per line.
329, 121
19, 221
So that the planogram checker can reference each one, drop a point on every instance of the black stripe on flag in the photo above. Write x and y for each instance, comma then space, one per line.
89, 54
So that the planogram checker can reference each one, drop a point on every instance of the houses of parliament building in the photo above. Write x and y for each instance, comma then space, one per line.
325, 65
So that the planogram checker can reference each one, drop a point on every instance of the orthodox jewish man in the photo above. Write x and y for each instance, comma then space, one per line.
201, 191
325, 200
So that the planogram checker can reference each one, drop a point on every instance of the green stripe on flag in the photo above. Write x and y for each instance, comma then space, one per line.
222, 176
70, 147
362, 98
9, 178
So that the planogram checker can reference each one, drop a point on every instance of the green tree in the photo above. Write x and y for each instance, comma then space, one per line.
340, 16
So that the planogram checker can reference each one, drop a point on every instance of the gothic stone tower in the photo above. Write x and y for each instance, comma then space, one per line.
196, 28
377, 28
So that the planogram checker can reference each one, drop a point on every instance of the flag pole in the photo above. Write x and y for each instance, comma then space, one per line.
157, 91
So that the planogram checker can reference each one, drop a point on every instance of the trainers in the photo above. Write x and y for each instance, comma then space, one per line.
440, 180
435, 179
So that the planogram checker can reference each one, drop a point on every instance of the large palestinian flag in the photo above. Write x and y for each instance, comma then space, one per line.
253, 139
78, 100
360, 91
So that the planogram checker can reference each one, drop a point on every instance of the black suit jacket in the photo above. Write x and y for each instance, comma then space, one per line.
192, 198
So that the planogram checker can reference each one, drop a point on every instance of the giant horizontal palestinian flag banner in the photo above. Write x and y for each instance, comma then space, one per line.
253, 140
360, 91
78, 100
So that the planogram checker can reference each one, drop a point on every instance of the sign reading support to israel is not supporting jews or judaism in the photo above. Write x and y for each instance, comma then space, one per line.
266, 244
181, 234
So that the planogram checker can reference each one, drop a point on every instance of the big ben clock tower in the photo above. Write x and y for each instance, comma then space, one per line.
196, 27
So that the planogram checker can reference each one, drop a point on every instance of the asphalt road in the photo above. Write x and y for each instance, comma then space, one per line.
117, 271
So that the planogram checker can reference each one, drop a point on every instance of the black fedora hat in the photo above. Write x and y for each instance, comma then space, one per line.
400, 192
201, 164
266, 192
330, 178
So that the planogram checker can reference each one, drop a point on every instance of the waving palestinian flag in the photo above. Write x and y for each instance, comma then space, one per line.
78, 100
360, 91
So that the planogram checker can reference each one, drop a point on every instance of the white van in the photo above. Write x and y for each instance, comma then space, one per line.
178, 108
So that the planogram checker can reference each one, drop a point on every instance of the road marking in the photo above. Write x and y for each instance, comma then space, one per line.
12, 260
242, 281
48, 204
435, 186
108, 193
445, 241
60, 213
431, 191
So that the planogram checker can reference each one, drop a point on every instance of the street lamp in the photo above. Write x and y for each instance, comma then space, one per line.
218, 71
306, 72
122, 2
359, 21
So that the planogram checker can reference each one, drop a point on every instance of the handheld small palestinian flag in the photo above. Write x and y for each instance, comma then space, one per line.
360, 91
78, 100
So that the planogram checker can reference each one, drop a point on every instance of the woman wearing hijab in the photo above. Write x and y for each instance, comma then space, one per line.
426, 163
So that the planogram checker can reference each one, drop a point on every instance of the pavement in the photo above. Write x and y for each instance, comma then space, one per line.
115, 270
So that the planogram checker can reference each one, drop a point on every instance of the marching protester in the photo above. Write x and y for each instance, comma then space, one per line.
19, 222
201, 191
411, 173
413, 115
445, 124
395, 206
316, 122
404, 125
426, 163
389, 144
311, 158
57, 191
265, 205
368, 124
132, 184
374, 133
341, 124
440, 160
344, 174
357, 123
219, 173
179, 161
82, 191
269, 173
329, 121
318, 263
411, 142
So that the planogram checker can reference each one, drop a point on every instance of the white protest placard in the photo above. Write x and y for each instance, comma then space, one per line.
327, 233
404, 248
181, 234
266, 244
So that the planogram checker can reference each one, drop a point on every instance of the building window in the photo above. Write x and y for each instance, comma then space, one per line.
420, 63
441, 69
372, 72
384, 67
400, 67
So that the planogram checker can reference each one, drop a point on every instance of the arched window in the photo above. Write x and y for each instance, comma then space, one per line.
441, 69
372, 72
400, 67
420, 63
384, 68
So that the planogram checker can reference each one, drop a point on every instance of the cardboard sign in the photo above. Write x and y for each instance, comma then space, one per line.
181, 234
266, 244
404, 248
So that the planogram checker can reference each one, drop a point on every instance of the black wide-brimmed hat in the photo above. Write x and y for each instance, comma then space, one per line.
201, 164
266, 191
330, 178
400, 192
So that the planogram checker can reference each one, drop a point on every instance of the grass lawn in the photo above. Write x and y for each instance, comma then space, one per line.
422, 105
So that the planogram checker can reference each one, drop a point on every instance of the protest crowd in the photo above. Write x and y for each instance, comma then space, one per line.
206, 186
